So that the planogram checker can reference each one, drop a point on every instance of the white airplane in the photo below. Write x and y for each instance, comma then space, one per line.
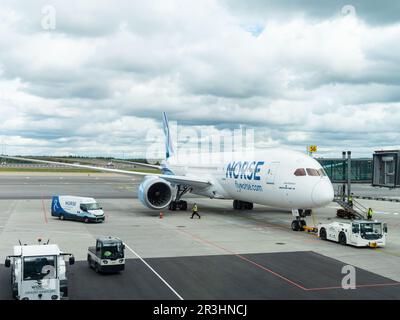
275, 177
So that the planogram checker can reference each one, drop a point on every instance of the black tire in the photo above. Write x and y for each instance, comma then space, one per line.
86, 220
295, 225
235, 204
302, 224
342, 238
248, 205
172, 206
89, 260
322, 234
62, 217
97, 268
183, 205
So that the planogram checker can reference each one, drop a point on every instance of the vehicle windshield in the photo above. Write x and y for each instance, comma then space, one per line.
112, 251
371, 231
38, 268
90, 206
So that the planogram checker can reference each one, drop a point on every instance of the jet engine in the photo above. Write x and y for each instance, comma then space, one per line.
155, 193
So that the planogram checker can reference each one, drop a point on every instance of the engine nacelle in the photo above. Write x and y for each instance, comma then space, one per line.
155, 193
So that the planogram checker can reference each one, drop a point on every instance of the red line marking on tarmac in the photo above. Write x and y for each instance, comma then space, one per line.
279, 275
245, 259
44, 212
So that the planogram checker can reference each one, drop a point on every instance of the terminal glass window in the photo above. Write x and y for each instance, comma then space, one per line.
38, 268
300, 172
312, 172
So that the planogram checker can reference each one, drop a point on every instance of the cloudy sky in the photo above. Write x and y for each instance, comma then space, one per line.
92, 77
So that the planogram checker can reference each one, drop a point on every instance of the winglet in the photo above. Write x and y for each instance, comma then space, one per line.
169, 150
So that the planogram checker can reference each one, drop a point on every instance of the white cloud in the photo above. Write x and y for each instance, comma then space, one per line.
102, 78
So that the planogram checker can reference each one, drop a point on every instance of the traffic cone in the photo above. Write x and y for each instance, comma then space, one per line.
161, 215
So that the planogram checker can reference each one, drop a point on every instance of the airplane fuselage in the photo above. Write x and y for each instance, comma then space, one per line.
274, 177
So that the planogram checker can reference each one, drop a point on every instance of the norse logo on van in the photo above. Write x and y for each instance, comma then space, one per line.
70, 203
244, 170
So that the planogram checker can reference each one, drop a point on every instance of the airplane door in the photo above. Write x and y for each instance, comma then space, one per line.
271, 172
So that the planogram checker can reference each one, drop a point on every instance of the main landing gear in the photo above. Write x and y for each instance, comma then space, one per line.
178, 204
242, 205
299, 223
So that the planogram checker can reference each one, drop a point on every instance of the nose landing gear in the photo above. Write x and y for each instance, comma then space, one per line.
298, 224
242, 205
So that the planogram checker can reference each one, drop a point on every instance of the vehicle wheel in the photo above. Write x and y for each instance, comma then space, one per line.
322, 234
89, 260
172, 206
342, 238
250, 206
295, 225
240, 205
62, 217
86, 220
302, 223
97, 268
235, 204
183, 205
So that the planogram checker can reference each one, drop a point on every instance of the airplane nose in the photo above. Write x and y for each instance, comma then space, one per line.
322, 193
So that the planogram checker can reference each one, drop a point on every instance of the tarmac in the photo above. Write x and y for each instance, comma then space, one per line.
226, 254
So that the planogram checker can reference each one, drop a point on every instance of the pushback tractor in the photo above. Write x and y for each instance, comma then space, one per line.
358, 233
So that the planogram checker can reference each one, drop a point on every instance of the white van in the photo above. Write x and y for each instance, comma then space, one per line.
77, 208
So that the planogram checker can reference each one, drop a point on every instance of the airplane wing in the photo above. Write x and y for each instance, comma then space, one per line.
140, 164
177, 180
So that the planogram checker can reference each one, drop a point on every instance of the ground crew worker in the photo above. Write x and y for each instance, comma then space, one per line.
195, 212
369, 214
350, 201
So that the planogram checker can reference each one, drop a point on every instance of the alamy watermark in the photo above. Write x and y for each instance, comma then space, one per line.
349, 10
200, 145
49, 18
349, 280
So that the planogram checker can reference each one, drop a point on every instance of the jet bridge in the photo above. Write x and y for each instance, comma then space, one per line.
386, 169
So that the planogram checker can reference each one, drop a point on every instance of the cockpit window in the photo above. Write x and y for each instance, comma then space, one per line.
312, 172
300, 172
322, 172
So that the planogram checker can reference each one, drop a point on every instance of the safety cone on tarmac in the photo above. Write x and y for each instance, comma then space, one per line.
161, 215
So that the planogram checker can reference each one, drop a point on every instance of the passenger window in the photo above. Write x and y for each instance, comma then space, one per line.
312, 172
300, 172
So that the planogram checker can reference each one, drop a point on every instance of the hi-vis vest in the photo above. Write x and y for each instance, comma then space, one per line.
194, 209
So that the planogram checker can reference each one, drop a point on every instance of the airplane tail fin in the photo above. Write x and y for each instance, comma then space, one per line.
169, 149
